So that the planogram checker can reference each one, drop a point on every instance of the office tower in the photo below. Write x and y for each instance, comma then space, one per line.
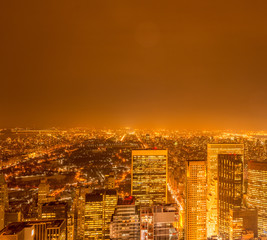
230, 189
159, 222
55, 210
213, 151
35, 230
243, 223
110, 181
196, 200
43, 191
257, 192
79, 208
4, 203
99, 207
149, 176
43, 195
93, 214
125, 223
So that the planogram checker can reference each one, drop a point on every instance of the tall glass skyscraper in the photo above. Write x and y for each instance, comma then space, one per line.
257, 192
196, 200
99, 207
213, 151
230, 188
149, 176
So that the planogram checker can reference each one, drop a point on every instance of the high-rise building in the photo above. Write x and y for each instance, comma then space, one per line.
125, 223
257, 192
230, 189
56, 210
213, 150
196, 200
110, 181
4, 203
79, 208
159, 222
43, 195
99, 207
43, 191
149, 176
243, 223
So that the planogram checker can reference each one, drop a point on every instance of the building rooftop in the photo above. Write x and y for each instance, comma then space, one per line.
256, 165
16, 227
97, 195
55, 203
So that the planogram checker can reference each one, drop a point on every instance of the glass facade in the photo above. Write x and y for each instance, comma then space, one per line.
257, 192
230, 188
212, 181
149, 176
196, 200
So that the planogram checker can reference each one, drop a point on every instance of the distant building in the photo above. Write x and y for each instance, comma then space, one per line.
110, 181
196, 200
149, 176
99, 207
257, 192
213, 151
43, 191
4, 203
159, 222
125, 223
230, 187
243, 223
35, 230
43, 195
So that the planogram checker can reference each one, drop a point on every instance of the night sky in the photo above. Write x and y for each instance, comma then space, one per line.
175, 64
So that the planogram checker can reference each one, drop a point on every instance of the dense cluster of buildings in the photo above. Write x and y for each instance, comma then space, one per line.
223, 196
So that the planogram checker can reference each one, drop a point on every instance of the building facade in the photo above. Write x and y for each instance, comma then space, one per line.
257, 192
213, 150
159, 222
125, 223
149, 176
230, 189
196, 200
99, 207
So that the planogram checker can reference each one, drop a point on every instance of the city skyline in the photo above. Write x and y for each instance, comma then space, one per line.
133, 120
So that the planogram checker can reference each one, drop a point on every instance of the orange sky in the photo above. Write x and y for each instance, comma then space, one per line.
179, 64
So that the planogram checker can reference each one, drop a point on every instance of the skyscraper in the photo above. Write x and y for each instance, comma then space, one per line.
3, 200
257, 192
99, 207
79, 206
149, 176
213, 150
196, 200
43, 195
43, 191
230, 189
